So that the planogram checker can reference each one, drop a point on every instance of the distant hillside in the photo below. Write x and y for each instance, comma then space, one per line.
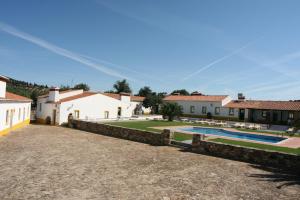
29, 90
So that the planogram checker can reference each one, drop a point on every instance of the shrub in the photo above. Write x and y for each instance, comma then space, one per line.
171, 110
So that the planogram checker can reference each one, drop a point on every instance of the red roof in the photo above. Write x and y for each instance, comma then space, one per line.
82, 95
265, 105
15, 97
195, 98
118, 96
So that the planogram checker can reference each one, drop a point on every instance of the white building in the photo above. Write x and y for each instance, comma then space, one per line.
203, 105
14, 109
55, 107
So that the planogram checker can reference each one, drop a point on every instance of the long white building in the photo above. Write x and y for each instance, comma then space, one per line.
203, 105
56, 107
14, 109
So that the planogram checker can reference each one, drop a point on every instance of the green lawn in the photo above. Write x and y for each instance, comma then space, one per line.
258, 146
145, 125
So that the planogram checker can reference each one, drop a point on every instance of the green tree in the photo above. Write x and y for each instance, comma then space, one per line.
153, 101
122, 86
82, 86
181, 92
171, 110
64, 87
145, 91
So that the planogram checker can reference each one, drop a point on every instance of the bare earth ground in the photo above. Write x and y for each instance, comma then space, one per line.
43, 162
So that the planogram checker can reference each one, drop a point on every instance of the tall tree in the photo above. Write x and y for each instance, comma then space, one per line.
82, 86
122, 86
153, 101
181, 92
145, 91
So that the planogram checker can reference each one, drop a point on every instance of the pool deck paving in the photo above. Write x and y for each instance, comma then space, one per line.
47, 162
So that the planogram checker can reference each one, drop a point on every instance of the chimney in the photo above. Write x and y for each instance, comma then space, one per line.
125, 97
54, 94
241, 97
3, 81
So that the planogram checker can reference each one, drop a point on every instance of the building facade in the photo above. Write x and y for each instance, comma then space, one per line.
56, 107
222, 107
269, 112
15, 110
203, 105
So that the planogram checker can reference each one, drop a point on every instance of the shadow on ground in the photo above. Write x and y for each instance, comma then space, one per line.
276, 175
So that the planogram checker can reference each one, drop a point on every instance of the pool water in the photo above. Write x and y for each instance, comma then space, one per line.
231, 134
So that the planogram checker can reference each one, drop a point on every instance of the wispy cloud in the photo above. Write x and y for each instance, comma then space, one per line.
238, 50
162, 20
59, 50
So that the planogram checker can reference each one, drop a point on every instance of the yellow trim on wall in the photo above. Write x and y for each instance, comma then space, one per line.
16, 126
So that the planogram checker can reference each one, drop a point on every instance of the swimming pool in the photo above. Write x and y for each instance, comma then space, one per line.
231, 134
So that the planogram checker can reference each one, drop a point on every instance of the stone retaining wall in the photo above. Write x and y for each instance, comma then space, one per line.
148, 137
275, 159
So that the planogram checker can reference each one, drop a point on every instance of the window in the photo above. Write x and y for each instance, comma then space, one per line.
40, 107
291, 115
76, 114
7, 117
192, 109
217, 110
24, 114
20, 113
106, 115
264, 113
231, 111
204, 110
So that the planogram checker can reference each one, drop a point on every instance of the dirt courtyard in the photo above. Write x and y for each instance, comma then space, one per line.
43, 162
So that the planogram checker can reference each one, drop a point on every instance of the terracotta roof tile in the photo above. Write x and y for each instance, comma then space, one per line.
267, 105
82, 95
118, 96
15, 97
195, 98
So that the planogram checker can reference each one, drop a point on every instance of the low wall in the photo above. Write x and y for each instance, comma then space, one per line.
275, 159
148, 137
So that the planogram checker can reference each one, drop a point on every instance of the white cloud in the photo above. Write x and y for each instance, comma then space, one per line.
58, 50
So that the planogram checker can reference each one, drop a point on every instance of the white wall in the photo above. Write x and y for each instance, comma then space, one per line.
44, 109
2, 89
22, 108
94, 107
70, 93
210, 107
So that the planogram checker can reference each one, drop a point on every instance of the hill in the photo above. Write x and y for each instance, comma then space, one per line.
27, 89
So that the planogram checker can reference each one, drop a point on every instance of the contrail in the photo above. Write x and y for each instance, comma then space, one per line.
218, 60
58, 50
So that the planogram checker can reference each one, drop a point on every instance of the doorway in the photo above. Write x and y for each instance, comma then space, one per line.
119, 111
242, 114
11, 118
275, 116
54, 117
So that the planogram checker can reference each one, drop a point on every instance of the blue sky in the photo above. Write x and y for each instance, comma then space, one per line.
216, 47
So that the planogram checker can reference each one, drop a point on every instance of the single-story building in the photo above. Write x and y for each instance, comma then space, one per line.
14, 109
199, 105
55, 107
270, 112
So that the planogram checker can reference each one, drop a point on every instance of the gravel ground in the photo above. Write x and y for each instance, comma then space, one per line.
43, 162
